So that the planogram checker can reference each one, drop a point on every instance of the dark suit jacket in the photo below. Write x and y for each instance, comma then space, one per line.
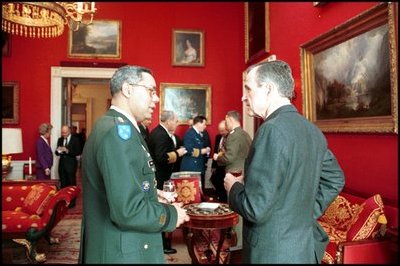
162, 150
193, 160
177, 164
145, 132
121, 213
44, 154
74, 149
291, 177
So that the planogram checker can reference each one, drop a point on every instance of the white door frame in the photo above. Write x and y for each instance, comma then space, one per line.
56, 104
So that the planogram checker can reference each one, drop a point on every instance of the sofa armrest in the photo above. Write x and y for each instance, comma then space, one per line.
63, 195
380, 251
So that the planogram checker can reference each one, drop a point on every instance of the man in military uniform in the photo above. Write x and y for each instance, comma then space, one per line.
124, 214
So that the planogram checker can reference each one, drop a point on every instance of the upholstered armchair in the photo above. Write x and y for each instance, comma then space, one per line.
188, 187
356, 228
30, 212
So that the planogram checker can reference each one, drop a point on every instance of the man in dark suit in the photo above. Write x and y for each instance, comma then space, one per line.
290, 175
218, 171
165, 153
44, 154
144, 129
68, 147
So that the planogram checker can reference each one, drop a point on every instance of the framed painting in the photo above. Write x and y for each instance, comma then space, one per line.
256, 25
186, 100
10, 103
100, 39
187, 47
349, 74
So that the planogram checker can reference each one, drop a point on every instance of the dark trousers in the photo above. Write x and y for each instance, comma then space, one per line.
67, 171
217, 179
167, 240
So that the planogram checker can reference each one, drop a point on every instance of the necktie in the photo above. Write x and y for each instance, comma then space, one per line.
65, 142
222, 143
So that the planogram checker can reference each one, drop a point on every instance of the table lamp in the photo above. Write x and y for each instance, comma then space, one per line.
11, 143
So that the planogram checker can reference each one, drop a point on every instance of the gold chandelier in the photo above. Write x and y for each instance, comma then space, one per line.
45, 19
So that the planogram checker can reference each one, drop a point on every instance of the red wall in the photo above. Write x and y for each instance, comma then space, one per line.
368, 160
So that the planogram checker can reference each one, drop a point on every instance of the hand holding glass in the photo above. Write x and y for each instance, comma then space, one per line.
169, 190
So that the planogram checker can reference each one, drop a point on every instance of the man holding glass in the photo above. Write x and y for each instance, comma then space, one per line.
123, 212
164, 151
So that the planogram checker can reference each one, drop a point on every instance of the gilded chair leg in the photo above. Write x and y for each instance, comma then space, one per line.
30, 251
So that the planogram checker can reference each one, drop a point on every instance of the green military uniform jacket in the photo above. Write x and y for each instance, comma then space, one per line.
237, 147
291, 177
122, 218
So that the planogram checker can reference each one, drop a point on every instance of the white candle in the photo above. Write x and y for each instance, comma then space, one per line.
30, 166
92, 6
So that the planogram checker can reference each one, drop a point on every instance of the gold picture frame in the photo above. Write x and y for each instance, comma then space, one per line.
100, 39
10, 102
349, 74
186, 100
257, 36
188, 47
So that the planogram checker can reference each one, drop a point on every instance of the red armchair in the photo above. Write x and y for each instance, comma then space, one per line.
357, 230
30, 212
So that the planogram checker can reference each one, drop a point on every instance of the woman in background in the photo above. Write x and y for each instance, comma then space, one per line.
44, 155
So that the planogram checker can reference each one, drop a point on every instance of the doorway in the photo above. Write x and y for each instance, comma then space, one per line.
58, 110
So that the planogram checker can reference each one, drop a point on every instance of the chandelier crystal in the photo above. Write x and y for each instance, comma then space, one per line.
45, 19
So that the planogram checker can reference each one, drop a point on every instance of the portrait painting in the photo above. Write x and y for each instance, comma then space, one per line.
100, 39
256, 30
10, 102
186, 100
187, 47
349, 83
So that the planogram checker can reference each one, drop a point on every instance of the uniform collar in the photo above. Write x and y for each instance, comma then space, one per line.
130, 118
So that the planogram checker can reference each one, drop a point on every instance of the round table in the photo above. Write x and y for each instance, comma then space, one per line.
204, 218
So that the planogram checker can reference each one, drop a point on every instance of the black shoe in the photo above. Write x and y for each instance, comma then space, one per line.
169, 251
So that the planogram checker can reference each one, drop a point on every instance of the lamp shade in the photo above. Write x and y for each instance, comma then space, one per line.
11, 141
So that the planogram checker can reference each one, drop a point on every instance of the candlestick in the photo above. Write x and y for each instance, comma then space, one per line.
30, 166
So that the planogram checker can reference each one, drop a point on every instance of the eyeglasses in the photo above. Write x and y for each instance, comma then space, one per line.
152, 90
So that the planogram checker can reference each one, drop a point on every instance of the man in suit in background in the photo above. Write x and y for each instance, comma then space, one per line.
68, 147
165, 154
218, 171
144, 129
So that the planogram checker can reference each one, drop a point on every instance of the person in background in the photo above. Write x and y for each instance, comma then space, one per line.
290, 175
193, 141
165, 152
237, 145
123, 211
44, 154
144, 129
68, 148
179, 143
218, 171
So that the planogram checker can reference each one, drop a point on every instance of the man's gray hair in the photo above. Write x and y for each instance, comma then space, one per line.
128, 74
277, 72
166, 115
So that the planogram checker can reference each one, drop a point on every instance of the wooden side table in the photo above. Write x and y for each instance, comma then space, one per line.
201, 225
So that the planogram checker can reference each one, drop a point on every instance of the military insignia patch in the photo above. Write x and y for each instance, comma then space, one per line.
145, 186
124, 131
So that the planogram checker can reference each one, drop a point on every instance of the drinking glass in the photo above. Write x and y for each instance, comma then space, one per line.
169, 190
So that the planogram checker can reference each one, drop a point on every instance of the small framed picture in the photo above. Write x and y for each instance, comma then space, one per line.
100, 39
187, 48
10, 103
